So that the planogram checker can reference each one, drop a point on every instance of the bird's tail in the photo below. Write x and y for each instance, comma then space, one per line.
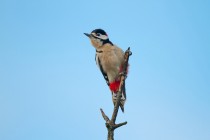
122, 100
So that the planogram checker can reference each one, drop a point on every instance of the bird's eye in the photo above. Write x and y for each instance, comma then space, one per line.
98, 34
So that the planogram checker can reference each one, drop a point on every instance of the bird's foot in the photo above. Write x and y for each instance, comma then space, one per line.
123, 74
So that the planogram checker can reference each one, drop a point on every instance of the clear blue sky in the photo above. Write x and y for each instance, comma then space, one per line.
51, 89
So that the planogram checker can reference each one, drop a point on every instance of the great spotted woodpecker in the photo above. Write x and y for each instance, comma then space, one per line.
109, 59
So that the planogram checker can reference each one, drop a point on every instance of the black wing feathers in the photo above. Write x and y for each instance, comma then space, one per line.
102, 71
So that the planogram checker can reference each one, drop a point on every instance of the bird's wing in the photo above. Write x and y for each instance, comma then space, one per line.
102, 71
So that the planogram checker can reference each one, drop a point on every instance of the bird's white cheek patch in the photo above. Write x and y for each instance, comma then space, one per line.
104, 37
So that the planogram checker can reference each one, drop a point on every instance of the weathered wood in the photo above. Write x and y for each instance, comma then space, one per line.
110, 124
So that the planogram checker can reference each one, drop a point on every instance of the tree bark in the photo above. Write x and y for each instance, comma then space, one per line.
110, 124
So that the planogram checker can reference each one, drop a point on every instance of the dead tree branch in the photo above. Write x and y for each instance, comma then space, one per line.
110, 124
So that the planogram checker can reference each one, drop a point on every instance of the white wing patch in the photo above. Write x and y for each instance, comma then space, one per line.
96, 59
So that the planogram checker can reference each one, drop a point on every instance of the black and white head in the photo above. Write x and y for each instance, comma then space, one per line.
98, 38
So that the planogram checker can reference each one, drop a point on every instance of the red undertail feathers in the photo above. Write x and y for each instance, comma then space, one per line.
114, 86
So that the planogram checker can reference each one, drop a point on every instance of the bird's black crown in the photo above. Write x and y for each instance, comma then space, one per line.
99, 31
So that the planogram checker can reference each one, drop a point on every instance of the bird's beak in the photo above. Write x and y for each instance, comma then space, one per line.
88, 35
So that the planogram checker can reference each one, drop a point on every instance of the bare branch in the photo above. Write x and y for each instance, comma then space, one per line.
119, 125
122, 81
110, 124
104, 116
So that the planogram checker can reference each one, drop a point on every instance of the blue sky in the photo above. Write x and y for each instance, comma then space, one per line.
51, 89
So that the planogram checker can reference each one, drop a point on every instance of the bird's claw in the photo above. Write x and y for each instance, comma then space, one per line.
123, 74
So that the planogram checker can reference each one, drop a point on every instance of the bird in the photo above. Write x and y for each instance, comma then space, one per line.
110, 60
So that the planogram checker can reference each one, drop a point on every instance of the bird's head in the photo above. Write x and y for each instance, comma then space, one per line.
98, 38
